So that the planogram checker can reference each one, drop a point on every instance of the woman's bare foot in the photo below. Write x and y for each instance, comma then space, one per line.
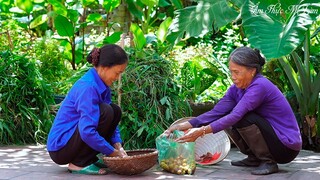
74, 167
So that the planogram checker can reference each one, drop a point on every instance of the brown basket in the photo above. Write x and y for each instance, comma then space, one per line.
137, 161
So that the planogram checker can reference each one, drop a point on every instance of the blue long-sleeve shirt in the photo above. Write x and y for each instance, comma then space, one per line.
80, 109
261, 97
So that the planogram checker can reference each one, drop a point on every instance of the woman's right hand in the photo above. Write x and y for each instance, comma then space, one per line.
122, 152
118, 153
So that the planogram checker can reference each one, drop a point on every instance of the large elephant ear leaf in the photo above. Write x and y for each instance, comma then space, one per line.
196, 21
277, 36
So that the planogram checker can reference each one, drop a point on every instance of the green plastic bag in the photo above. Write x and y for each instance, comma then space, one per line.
174, 157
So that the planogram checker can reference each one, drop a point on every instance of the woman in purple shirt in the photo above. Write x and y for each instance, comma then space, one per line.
87, 121
255, 115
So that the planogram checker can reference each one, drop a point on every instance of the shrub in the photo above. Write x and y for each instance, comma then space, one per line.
25, 100
52, 64
149, 99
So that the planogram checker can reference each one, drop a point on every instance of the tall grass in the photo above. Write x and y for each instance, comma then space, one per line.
25, 100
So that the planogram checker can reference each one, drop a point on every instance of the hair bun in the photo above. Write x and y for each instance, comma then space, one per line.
93, 57
262, 59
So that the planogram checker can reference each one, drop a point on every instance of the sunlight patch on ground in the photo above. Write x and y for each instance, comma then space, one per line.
23, 152
313, 169
307, 159
31, 156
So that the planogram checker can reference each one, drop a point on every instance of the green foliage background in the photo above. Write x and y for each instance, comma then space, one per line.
25, 98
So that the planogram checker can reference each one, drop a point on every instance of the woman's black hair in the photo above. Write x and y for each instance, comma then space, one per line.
107, 56
248, 57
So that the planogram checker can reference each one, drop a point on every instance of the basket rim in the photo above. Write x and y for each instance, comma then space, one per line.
154, 152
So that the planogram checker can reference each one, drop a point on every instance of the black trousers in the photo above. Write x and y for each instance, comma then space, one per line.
78, 152
280, 152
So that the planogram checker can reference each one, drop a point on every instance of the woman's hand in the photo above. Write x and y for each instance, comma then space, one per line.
181, 127
190, 135
167, 132
118, 151
122, 152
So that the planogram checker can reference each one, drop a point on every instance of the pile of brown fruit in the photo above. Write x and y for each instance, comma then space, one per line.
178, 165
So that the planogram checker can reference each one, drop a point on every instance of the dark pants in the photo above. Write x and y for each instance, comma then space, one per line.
78, 152
280, 152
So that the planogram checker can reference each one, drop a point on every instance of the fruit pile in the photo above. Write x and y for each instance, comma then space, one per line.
178, 165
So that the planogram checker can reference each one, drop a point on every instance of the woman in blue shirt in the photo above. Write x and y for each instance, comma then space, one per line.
87, 121
255, 115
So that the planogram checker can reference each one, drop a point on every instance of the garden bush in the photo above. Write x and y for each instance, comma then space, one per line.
25, 101
53, 66
149, 99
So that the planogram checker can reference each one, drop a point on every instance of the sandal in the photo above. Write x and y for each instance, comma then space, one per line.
100, 164
91, 169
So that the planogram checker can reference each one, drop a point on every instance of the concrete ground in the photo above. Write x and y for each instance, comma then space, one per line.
33, 162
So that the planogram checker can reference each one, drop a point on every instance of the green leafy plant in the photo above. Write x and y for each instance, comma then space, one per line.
306, 84
196, 78
66, 26
279, 33
25, 99
144, 12
150, 23
200, 75
52, 65
154, 40
149, 14
198, 20
149, 99
14, 37
70, 25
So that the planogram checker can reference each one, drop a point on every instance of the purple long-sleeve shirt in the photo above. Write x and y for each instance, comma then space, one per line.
261, 97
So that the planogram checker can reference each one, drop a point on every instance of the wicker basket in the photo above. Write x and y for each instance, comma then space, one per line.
137, 161
216, 144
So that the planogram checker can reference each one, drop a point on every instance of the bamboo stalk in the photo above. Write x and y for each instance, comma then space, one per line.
9, 39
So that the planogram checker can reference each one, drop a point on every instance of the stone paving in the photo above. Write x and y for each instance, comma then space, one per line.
33, 162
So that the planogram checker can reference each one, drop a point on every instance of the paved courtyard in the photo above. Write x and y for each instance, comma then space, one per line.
33, 163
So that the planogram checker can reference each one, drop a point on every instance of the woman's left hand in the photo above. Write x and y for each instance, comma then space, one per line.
190, 135
123, 153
